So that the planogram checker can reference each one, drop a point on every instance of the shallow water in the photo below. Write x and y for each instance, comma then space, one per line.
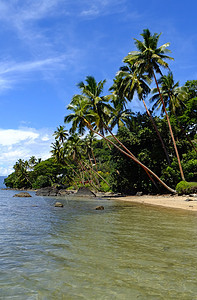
127, 251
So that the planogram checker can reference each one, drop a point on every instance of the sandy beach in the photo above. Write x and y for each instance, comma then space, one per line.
170, 201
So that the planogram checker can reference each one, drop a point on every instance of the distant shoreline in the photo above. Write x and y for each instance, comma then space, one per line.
169, 201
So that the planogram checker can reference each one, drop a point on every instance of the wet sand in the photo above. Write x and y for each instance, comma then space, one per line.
171, 201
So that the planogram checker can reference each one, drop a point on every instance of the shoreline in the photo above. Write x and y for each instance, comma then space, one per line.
168, 201
184, 202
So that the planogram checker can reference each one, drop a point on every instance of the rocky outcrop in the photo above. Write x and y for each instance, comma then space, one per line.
22, 195
47, 191
53, 191
84, 192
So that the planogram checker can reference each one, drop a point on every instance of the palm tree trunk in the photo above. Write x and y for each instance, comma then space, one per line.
170, 128
133, 158
94, 159
158, 133
87, 171
92, 169
100, 175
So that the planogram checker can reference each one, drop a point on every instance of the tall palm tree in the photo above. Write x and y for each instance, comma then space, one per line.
92, 90
173, 95
85, 117
174, 98
148, 60
61, 134
128, 83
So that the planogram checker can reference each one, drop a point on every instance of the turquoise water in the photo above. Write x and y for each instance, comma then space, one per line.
127, 251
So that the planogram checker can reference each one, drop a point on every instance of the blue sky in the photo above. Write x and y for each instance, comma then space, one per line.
48, 46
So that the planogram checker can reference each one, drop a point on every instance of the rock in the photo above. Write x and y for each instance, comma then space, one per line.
193, 195
22, 194
139, 194
188, 199
64, 192
99, 207
47, 191
84, 192
58, 204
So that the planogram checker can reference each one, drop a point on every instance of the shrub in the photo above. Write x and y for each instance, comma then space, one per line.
184, 187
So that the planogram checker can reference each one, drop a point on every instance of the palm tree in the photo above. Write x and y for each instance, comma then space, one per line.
20, 168
77, 152
148, 60
127, 83
84, 116
89, 139
32, 162
57, 151
174, 98
173, 95
61, 134
92, 90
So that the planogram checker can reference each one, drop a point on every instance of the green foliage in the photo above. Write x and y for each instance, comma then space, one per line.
10, 181
104, 187
41, 181
128, 177
184, 187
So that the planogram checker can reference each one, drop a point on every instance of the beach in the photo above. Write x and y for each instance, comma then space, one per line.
171, 201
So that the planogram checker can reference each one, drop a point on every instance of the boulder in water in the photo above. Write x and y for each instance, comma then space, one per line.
22, 195
100, 207
58, 204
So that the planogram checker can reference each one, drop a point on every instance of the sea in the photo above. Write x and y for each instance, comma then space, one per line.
2, 185
126, 251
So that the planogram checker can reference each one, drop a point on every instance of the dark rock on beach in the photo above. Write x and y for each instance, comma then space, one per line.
139, 194
22, 195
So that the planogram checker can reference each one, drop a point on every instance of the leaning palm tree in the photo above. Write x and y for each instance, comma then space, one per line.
129, 82
148, 60
84, 116
89, 139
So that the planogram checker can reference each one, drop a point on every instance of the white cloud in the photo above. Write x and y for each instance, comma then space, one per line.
11, 136
23, 143
11, 67
12, 73
94, 8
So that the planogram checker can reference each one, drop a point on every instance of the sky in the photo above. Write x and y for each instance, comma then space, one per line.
48, 46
